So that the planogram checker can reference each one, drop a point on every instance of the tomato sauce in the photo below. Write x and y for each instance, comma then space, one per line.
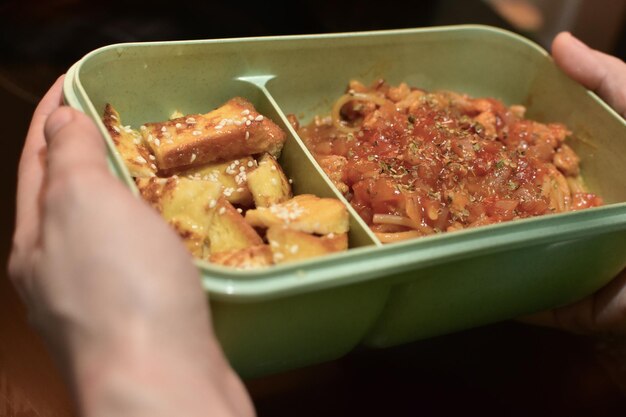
411, 160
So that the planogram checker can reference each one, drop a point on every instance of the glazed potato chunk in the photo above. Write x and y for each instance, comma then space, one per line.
185, 204
228, 230
232, 131
130, 145
290, 245
231, 175
253, 257
268, 183
306, 213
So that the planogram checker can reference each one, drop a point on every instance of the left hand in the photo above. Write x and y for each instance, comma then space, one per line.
109, 283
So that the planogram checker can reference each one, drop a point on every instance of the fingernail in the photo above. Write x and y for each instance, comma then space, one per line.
57, 120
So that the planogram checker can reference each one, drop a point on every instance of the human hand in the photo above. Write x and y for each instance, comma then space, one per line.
109, 284
604, 312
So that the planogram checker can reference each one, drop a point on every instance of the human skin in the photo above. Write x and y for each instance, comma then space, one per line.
604, 312
109, 284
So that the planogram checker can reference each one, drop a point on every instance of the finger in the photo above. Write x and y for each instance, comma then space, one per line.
602, 312
602, 73
74, 143
31, 173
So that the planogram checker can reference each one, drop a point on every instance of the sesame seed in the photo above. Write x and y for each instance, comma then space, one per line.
127, 129
238, 122
154, 167
117, 129
245, 112
241, 179
278, 256
212, 203
219, 127
250, 164
193, 157
142, 127
290, 181
190, 120
228, 191
248, 122
273, 168
140, 159
287, 212
294, 249
114, 117
240, 210
196, 133
236, 162
157, 142
222, 210
178, 125
247, 135
150, 138
274, 181
164, 129
251, 117
230, 169
331, 235
152, 158
240, 190
259, 118
137, 141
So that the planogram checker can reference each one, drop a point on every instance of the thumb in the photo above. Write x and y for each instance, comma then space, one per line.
73, 141
602, 73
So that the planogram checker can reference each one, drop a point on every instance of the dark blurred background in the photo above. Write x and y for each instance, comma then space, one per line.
502, 370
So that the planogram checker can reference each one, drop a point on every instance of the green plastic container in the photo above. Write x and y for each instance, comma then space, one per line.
295, 315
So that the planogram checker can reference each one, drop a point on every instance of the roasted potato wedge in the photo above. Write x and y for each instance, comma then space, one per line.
130, 145
268, 183
289, 245
306, 213
232, 131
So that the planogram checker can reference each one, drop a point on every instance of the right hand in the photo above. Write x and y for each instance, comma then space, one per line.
604, 312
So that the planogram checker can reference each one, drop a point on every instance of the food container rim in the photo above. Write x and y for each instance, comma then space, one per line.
367, 263
335, 35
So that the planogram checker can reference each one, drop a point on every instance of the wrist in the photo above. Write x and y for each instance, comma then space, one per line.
136, 377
